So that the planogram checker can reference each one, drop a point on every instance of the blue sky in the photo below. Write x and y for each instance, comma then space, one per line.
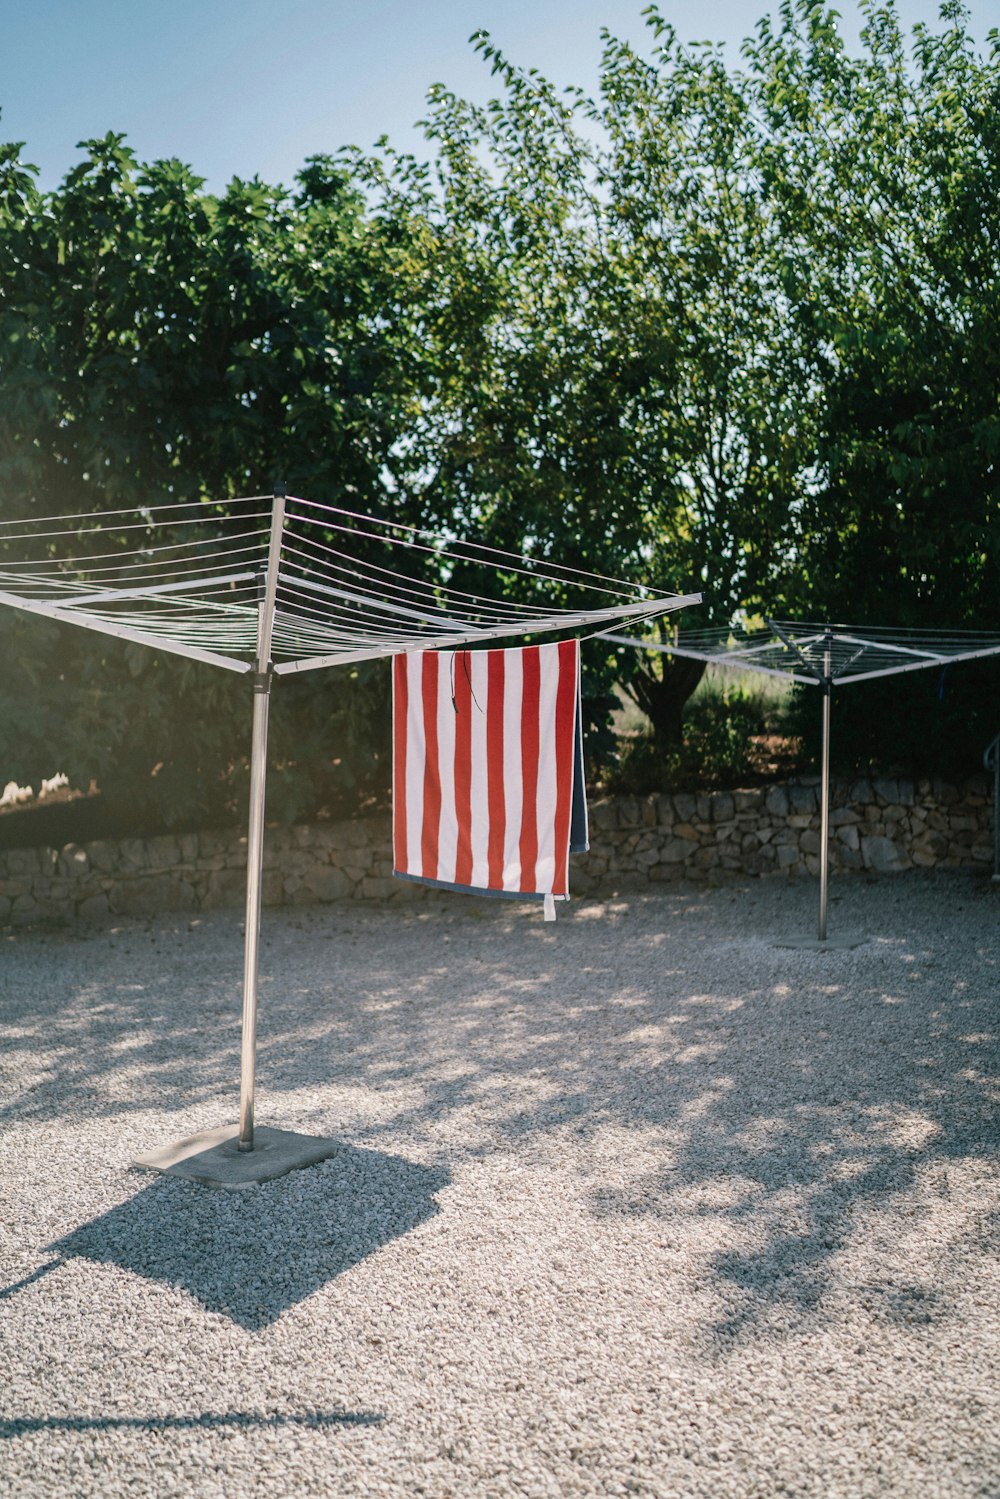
237, 87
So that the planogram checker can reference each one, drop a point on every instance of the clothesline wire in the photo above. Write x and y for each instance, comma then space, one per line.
540, 570
480, 546
341, 610
814, 653
178, 606
302, 630
219, 511
340, 619
76, 589
201, 598
236, 614
639, 619
292, 627
178, 588
412, 586
168, 557
368, 573
66, 565
198, 633
879, 632
875, 634
434, 596
110, 553
401, 636
173, 526
82, 578
97, 515
536, 572
417, 589
474, 553
152, 557
96, 582
394, 629
165, 613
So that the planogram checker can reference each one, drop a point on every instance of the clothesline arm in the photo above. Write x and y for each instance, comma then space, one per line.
124, 632
542, 625
711, 658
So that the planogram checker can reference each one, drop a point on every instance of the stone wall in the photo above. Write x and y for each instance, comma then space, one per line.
880, 825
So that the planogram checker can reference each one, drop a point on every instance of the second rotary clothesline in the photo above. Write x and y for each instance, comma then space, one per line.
488, 789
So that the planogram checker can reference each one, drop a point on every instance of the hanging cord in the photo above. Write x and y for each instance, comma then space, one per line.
468, 677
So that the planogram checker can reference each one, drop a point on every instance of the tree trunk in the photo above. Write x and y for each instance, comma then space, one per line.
661, 695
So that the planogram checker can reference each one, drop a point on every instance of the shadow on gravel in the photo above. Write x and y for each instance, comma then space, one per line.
252, 1255
19, 1426
786, 1098
803, 1112
154, 1019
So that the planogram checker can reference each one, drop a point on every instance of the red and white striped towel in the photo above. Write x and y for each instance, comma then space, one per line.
487, 779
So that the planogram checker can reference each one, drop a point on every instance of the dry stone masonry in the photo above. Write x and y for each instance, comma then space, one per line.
880, 825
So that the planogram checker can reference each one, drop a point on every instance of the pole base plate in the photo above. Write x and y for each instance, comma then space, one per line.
839, 942
213, 1157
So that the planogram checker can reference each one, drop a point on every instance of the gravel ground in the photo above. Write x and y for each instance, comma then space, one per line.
633, 1204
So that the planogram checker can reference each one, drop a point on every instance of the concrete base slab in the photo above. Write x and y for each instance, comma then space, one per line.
839, 942
214, 1159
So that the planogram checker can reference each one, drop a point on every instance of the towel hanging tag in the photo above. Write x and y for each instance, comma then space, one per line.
550, 908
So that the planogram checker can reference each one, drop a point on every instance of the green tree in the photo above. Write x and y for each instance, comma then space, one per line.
616, 386
159, 343
882, 172
729, 328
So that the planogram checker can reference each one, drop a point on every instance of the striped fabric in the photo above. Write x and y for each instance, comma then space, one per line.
487, 779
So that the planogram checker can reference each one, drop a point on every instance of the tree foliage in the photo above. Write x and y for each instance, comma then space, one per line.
158, 343
882, 172
619, 389
732, 328
726, 326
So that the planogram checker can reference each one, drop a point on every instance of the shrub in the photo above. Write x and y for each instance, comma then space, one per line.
719, 731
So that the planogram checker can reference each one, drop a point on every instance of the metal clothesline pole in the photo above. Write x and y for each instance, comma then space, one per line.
179, 605
825, 683
255, 834
824, 816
